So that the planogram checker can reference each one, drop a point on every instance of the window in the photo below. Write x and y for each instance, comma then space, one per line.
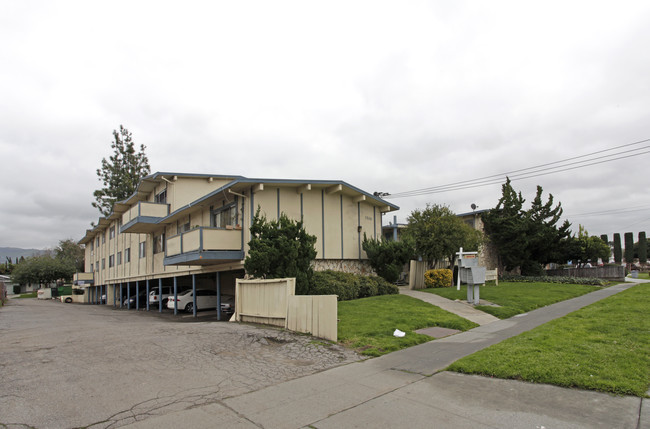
103, 263
104, 237
97, 242
97, 266
161, 198
159, 243
143, 249
224, 217
119, 225
127, 255
91, 267
183, 227
111, 261
119, 258
112, 232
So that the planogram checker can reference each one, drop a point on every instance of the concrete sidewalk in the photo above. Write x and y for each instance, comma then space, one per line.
399, 390
462, 309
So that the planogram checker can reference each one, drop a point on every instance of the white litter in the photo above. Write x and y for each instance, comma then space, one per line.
398, 333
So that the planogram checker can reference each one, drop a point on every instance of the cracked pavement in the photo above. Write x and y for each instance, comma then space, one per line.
73, 365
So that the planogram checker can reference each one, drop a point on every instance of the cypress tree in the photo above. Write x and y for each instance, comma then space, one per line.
643, 248
629, 247
618, 252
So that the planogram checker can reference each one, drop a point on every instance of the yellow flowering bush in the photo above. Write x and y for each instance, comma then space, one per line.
438, 278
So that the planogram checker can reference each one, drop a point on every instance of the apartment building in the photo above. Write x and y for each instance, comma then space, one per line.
192, 230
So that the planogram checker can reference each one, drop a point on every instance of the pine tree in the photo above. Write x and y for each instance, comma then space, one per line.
604, 238
121, 173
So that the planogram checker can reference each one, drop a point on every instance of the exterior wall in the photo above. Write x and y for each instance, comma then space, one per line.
337, 216
346, 266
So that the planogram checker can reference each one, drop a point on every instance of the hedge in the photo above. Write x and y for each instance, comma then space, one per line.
553, 279
349, 286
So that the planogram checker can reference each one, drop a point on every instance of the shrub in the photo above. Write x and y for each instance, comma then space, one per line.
349, 286
438, 278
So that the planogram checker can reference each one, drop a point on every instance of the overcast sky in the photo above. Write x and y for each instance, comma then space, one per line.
387, 96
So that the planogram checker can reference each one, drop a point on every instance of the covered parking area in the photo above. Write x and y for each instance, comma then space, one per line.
189, 293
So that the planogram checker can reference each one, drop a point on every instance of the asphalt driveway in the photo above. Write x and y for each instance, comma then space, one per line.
74, 365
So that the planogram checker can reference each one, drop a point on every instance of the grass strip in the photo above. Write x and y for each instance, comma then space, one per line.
368, 324
516, 298
26, 295
604, 346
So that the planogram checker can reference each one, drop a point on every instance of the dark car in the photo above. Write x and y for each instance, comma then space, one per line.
142, 300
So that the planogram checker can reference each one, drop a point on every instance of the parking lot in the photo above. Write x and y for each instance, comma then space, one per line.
75, 365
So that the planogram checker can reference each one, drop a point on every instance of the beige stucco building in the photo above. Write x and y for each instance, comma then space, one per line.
192, 230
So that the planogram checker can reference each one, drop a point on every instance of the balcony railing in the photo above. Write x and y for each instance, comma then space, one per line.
144, 217
204, 246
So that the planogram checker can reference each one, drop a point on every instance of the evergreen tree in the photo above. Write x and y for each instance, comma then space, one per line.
606, 258
281, 248
618, 251
643, 248
121, 173
71, 254
629, 247
387, 257
526, 238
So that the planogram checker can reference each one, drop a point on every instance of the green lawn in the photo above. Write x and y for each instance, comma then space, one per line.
516, 298
644, 276
605, 346
26, 295
367, 324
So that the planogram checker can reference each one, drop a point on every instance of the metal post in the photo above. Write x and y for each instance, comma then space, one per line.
114, 294
121, 295
175, 296
194, 294
128, 296
137, 294
160, 295
218, 295
147, 295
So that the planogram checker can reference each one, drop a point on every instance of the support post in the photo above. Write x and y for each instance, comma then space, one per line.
218, 295
194, 295
175, 296
160, 295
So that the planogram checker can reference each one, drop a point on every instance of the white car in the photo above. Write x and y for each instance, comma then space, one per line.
205, 299
155, 296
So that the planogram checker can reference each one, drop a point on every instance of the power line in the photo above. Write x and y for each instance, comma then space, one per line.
534, 171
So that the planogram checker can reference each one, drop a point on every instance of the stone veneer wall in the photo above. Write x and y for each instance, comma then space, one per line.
354, 266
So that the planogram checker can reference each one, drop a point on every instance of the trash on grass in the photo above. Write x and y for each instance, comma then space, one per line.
398, 333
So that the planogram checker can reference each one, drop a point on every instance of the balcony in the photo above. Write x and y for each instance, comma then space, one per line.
205, 246
83, 279
144, 218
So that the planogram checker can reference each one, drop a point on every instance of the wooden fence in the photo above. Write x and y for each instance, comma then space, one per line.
273, 302
608, 273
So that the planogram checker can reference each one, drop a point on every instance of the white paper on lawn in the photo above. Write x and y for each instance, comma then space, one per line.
398, 333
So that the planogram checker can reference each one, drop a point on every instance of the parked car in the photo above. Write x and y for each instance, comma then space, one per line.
142, 300
205, 299
155, 296
227, 304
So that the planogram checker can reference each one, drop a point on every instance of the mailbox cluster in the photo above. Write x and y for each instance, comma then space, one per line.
471, 274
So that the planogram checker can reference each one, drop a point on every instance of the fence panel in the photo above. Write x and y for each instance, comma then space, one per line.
263, 301
607, 273
314, 314
416, 274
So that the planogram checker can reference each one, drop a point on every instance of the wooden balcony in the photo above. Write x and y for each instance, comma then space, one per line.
144, 218
205, 246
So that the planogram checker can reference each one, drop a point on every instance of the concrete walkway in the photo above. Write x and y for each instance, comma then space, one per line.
399, 390
461, 308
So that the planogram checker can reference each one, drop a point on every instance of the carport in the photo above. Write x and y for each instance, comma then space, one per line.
178, 284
